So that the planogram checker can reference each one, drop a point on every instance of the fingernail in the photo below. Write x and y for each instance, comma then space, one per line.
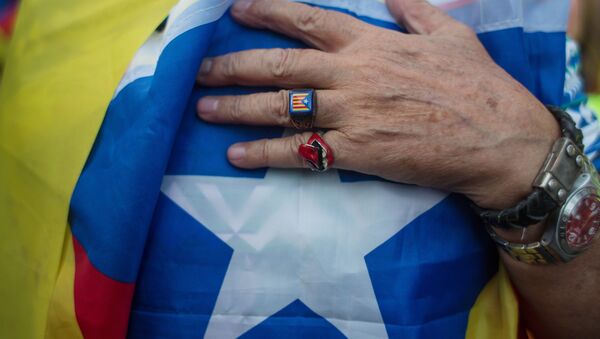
236, 153
241, 6
206, 66
208, 105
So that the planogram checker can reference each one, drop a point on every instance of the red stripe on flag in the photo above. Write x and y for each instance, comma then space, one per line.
7, 20
102, 305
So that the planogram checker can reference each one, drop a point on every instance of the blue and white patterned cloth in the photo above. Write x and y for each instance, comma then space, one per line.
575, 102
219, 252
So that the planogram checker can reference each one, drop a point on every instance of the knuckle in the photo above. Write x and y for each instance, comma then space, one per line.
236, 105
416, 12
299, 139
231, 65
259, 8
333, 140
265, 152
311, 20
294, 143
465, 30
278, 106
283, 63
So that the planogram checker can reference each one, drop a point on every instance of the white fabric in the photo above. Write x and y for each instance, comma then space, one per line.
299, 250
186, 15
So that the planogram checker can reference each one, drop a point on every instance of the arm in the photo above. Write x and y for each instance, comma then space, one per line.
429, 108
557, 301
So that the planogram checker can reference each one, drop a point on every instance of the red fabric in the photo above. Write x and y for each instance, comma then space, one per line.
102, 305
7, 20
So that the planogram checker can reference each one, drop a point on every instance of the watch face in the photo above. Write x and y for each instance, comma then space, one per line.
584, 222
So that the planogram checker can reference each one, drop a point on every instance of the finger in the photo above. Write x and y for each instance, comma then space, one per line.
288, 68
282, 152
322, 29
266, 109
420, 17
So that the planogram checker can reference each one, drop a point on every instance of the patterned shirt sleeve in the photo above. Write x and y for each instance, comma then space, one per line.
575, 103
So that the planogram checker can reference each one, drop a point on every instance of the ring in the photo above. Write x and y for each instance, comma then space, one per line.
302, 107
317, 153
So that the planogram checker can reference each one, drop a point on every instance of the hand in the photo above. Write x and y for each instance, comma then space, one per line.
429, 108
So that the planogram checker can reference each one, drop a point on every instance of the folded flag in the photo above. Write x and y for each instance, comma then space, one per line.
167, 239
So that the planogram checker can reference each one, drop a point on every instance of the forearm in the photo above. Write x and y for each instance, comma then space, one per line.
557, 301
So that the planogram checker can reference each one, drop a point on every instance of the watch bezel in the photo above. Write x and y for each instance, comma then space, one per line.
587, 184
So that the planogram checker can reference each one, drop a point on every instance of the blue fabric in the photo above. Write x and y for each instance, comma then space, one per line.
5, 3
178, 284
294, 321
426, 277
114, 199
537, 60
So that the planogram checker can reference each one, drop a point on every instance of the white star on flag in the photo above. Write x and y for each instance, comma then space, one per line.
298, 235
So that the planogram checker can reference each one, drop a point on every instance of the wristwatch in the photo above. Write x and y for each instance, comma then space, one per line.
566, 197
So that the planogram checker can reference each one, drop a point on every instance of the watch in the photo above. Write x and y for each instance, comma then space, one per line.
566, 196
540, 202
570, 178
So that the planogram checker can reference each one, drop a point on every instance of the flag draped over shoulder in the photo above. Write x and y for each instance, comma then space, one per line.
166, 239
65, 59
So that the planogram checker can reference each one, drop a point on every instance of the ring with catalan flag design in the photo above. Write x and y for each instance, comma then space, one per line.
302, 107
317, 153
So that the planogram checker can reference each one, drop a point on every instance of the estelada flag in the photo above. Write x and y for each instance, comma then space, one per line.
299, 102
123, 217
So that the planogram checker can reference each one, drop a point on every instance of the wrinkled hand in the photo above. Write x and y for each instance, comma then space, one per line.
429, 108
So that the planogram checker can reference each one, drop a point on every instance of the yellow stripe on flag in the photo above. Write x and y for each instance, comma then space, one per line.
62, 66
61, 314
495, 314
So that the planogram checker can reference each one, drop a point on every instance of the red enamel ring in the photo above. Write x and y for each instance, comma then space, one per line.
317, 153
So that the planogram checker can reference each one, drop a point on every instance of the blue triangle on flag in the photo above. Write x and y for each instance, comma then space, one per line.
294, 321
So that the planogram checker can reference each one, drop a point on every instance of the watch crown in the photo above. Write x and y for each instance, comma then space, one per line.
579, 160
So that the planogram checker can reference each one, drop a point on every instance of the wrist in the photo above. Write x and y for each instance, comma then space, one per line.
516, 166
565, 197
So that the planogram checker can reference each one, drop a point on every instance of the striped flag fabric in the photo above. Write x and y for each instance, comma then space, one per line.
300, 101
131, 223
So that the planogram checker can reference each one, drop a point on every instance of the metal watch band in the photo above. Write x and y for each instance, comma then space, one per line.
532, 253
537, 205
